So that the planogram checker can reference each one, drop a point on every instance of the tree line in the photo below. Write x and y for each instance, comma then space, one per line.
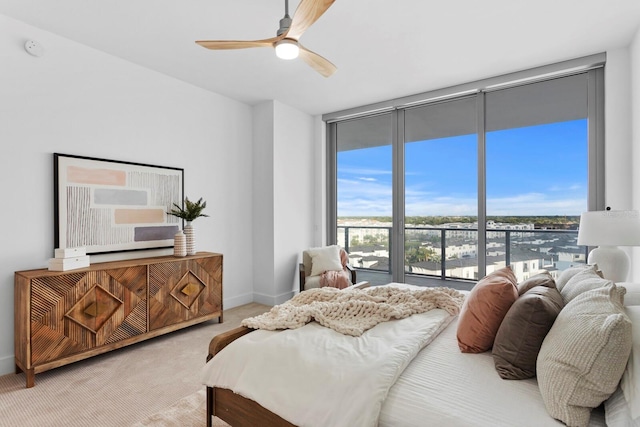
565, 222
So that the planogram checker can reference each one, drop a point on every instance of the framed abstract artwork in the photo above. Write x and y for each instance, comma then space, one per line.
114, 206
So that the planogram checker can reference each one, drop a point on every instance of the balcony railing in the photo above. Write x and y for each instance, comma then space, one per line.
453, 247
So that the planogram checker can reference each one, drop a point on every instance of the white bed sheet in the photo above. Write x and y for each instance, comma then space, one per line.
318, 367
446, 388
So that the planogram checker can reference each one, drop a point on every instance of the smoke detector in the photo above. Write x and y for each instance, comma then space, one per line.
34, 48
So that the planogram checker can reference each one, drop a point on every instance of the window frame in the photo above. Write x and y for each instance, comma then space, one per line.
593, 65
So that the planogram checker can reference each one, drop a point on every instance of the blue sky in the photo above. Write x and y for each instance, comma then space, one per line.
537, 170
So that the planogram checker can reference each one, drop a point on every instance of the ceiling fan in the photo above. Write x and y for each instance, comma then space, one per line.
286, 41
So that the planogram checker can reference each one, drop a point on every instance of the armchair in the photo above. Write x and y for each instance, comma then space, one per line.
326, 266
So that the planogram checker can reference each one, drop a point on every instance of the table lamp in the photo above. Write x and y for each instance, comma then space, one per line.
608, 230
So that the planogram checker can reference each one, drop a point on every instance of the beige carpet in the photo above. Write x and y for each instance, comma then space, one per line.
121, 388
186, 412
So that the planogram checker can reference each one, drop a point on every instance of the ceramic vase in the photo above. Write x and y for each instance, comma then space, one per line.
189, 232
179, 244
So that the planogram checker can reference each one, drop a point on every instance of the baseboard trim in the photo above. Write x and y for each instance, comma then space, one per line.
272, 300
7, 365
237, 301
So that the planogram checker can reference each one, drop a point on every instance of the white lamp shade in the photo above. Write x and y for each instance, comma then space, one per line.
609, 228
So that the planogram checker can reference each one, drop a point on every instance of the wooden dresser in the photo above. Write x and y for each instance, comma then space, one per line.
65, 316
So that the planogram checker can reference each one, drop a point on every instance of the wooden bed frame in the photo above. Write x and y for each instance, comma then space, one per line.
231, 407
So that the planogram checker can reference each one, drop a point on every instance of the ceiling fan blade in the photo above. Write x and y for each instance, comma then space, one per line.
238, 44
317, 62
306, 14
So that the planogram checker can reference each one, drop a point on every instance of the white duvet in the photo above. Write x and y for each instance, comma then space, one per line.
315, 376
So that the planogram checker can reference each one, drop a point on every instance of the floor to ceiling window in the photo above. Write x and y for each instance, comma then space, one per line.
364, 191
536, 174
441, 190
456, 186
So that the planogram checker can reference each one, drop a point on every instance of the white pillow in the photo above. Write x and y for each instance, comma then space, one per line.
584, 355
567, 274
325, 259
583, 281
630, 382
617, 412
632, 297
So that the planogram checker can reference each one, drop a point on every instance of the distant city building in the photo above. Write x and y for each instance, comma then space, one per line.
367, 241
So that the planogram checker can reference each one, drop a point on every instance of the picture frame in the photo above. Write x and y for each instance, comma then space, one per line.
111, 206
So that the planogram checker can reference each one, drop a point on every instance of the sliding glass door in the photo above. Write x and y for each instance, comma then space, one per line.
364, 193
441, 191
537, 178
459, 186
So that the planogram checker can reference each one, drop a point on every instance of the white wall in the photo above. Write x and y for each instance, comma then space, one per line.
77, 100
263, 202
634, 90
293, 196
618, 147
618, 130
283, 198
320, 182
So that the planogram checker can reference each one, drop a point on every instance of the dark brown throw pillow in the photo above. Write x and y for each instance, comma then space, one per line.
540, 279
520, 336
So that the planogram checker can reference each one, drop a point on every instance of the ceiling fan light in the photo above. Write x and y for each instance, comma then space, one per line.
287, 49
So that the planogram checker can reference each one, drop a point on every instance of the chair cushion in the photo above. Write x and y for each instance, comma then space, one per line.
325, 259
311, 282
483, 310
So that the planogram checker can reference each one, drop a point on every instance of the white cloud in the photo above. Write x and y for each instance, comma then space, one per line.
363, 171
367, 196
566, 188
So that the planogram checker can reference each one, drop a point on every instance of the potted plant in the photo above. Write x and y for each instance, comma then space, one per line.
189, 213
191, 210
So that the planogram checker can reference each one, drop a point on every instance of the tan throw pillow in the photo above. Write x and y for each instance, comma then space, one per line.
583, 281
584, 355
540, 279
483, 310
325, 259
570, 272
520, 336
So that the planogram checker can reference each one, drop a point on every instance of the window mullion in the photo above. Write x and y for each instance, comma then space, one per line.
482, 187
332, 177
397, 239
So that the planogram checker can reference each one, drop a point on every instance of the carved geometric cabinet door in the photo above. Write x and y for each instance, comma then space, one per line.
77, 312
181, 291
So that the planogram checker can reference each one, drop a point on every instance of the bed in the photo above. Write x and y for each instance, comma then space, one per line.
439, 385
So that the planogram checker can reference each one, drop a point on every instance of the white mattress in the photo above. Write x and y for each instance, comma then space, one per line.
446, 388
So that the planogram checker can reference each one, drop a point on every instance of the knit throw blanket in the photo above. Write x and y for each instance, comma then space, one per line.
353, 311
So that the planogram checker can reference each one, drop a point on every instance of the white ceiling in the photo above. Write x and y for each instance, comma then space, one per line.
383, 49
